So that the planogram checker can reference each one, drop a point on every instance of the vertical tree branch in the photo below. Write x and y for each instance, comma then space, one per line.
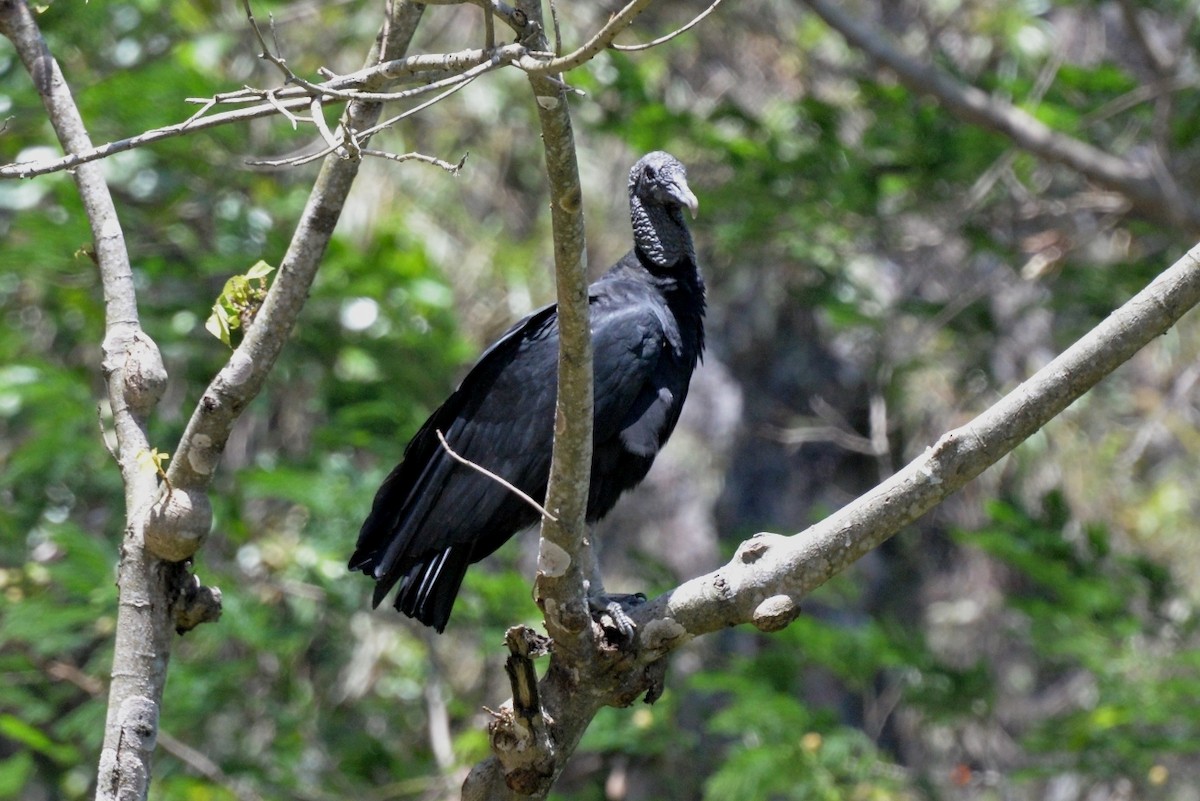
132, 366
135, 379
562, 571
526, 762
179, 521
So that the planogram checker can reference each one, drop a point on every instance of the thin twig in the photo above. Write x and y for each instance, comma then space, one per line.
278, 106
290, 98
557, 30
829, 425
104, 434
489, 27
462, 80
300, 92
602, 39
501, 481
662, 39
807, 431
199, 762
266, 54
1157, 60
1135, 97
29, 169
351, 137
453, 169
318, 116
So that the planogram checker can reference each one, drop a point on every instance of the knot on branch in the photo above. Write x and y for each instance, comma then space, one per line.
144, 375
138, 717
775, 613
178, 524
663, 635
756, 547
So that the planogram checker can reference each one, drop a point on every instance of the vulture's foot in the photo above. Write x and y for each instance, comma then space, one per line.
609, 612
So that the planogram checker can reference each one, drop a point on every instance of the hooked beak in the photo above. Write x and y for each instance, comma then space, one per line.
683, 194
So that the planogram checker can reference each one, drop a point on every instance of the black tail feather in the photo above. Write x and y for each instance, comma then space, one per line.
429, 587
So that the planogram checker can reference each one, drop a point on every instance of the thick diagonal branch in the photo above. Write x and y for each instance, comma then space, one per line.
1135, 180
181, 518
769, 574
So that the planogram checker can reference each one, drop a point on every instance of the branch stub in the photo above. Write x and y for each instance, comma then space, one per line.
775, 613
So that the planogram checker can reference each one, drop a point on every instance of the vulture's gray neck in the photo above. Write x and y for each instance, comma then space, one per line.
660, 233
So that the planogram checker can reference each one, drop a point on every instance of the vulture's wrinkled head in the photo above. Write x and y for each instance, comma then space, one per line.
659, 179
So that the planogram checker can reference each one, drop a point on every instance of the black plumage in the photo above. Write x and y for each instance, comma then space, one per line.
433, 516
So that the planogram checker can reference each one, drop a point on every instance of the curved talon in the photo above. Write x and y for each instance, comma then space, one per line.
609, 612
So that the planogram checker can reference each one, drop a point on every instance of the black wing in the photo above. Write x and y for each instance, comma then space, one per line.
433, 517
431, 512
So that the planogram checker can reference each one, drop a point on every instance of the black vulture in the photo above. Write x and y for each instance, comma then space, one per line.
434, 516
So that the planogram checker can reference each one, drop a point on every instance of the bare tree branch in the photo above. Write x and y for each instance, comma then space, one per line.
1136, 181
350, 144
769, 574
453, 169
602, 39
151, 582
1159, 61
366, 85
135, 378
528, 757
668, 37
541, 510
561, 574
200, 763
1141, 94
436, 71
34, 168
204, 766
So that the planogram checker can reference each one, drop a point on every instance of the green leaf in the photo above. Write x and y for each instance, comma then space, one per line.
16, 729
238, 303
259, 271
14, 774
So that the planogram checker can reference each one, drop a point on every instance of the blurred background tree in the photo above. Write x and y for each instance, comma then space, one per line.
878, 270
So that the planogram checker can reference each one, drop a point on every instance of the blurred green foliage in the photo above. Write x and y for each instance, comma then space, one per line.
860, 244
